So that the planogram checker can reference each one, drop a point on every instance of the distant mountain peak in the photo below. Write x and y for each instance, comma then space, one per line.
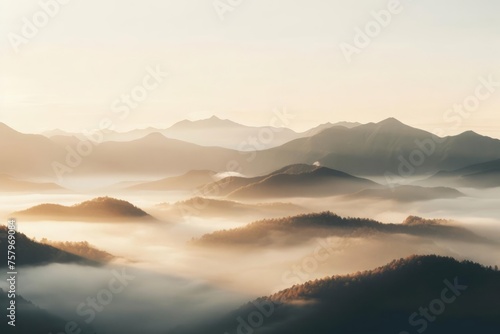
212, 121
154, 136
391, 121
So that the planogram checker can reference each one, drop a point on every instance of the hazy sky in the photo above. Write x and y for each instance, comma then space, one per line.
265, 54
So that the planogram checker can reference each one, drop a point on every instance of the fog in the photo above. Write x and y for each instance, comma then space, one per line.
177, 282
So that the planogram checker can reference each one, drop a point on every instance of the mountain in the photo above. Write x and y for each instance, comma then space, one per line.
230, 184
10, 184
32, 253
26, 155
321, 127
483, 175
301, 228
384, 148
407, 193
420, 293
153, 155
225, 133
97, 209
209, 208
187, 181
63, 138
290, 181
315, 181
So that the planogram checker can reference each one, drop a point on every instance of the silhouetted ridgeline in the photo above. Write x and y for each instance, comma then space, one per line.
29, 252
97, 209
80, 248
296, 229
378, 301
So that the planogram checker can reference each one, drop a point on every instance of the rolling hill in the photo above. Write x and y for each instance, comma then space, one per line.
314, 182
298, 180
483, 175
32, 253
420, 293
298, 229
98, 209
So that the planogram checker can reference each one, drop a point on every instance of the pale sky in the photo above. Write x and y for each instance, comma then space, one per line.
265, 54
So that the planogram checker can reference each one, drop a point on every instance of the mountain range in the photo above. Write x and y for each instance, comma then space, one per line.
213, 131
385, 148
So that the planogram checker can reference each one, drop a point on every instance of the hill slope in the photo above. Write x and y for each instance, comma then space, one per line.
315, 182
97, 209
483, 175
377, 148
298, 229
459, 297
29, 252
188, 181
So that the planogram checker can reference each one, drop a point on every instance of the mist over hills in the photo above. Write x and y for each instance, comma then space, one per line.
11, 184
97, 209
187, 181
482, 175
384, 300
316, 182
29, 252
230, 184
30, 318
298, 180
209, 207
80, 248
294, 230
407, 193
